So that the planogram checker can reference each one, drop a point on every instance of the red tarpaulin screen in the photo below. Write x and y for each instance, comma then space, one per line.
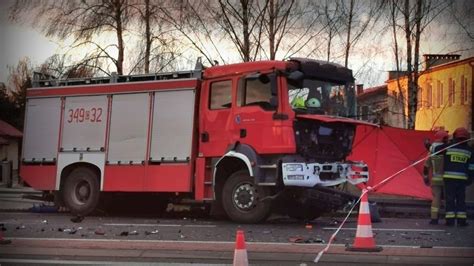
387, 150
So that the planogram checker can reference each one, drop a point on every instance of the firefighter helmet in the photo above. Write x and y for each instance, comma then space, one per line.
441, 135
461, 133
313, 102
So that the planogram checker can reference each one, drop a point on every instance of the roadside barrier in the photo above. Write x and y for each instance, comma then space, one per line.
364, 240
240, 253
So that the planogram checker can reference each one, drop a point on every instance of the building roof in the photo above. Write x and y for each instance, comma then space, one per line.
382, 89
469, 60
7, 130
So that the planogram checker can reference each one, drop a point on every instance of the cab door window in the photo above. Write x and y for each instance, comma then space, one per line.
220, 96
257, 92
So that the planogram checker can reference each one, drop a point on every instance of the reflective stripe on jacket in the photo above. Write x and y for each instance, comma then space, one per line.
435, 162
457, 161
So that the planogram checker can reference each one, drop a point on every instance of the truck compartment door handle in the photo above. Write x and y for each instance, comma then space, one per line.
205, 136
243, 132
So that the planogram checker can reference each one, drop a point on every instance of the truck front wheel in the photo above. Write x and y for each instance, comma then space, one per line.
242, 199
81, 191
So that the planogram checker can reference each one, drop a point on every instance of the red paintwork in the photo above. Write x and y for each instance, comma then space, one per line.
200, 178
241, 68
124, 178
150, 122
332, 119
150, 178
168, 178
61, 121
264, 134
217, 123
41, 177
113, 88
107, 126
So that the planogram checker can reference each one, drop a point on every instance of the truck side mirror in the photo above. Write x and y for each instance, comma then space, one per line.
263, 78
295, 76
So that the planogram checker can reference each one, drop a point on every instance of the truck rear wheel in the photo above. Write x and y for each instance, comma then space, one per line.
242, 199
81, 191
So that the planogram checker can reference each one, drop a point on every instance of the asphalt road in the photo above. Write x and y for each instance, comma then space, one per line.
187, 239
131, 233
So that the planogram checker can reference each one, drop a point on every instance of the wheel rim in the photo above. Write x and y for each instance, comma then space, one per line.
82, 192
244, 196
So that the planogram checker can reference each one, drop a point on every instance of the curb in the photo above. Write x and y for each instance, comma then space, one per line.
252, 247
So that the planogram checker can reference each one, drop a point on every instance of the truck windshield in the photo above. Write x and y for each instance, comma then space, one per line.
313, 96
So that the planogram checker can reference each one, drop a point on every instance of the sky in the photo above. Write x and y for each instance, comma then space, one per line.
375, 57
18, 41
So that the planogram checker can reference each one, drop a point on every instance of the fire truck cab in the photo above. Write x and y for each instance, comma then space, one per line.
251, 138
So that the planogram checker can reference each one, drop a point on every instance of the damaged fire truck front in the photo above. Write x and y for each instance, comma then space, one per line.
249, 138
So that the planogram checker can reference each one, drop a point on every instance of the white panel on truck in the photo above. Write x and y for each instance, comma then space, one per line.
129, 128
172, 133
84, 123
42, 129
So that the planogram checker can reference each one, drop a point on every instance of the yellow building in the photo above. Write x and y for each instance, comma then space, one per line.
445, 93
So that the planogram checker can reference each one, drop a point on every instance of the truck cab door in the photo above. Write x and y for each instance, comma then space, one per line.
216, 124
259, 121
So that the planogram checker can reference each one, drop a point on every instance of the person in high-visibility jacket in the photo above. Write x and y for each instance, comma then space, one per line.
458, 173
434, 168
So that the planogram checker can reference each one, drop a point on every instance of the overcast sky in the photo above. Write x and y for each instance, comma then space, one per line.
370, 60
18, 41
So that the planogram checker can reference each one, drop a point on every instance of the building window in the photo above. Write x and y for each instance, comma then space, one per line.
420, 98
454, 91
221, 95
439, 90
429, 96
450, 91
365, 112
463, 90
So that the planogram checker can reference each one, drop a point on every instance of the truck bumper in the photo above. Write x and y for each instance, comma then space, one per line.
302, 174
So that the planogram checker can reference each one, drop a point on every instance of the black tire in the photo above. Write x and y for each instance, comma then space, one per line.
81, 191
242, 199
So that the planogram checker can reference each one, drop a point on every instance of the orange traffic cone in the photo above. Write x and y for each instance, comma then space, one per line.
240, 253
364, 240
4, 241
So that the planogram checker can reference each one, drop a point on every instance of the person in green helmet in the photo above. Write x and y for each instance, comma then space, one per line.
313, 106
313, 103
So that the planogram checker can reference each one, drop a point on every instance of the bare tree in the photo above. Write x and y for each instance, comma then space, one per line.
331, 21
156, 43
83, 21
277, 22
18, 82
358, 17
242, 22
462, 11
393, 21
58, 66
195, 26
416, 16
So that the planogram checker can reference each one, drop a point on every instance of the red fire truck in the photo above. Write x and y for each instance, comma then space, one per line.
251, 138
